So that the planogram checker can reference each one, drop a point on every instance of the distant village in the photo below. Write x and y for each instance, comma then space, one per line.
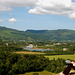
33, 46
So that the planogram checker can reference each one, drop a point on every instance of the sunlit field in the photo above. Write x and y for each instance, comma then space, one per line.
71, 57
40, 73
29, 52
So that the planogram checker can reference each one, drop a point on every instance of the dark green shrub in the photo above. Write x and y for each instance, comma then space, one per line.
35, 73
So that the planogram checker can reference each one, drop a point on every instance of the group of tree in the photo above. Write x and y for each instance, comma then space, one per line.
11, 64
56, 66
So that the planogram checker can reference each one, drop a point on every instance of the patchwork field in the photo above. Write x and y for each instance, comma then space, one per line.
71, 57
29, 52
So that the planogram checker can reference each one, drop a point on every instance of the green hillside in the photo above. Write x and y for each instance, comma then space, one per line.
55, 35
37, 35
11, 34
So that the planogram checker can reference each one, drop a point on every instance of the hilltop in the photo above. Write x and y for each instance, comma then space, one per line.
37, 35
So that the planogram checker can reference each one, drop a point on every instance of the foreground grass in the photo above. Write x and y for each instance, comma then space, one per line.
71, 57
29, 52
40, 73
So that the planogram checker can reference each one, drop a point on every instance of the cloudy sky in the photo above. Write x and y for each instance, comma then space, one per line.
37, 14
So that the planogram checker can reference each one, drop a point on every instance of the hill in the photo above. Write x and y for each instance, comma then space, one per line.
55, 35
11, 34
37, 35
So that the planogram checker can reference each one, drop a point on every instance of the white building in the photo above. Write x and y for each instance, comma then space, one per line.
30, 46
64, 49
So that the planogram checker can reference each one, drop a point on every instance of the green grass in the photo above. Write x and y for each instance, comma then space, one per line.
71, 57
40, 73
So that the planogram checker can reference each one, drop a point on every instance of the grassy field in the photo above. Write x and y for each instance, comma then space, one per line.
29, 52
71, 57
40, 73
46, 73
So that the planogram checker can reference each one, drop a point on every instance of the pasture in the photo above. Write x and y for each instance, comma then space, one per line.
71, 57
39, 73
24, 52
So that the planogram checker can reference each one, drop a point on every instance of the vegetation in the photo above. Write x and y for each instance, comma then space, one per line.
59, 52
40, 35
15, 60
25, 52
11, 64
40, 73
56, 66
51, 35
71, 57
35, 74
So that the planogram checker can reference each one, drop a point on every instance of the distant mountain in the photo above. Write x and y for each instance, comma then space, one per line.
55, 35
37, 35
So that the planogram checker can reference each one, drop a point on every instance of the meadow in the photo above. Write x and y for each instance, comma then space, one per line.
71, 57
25, 52
40, 73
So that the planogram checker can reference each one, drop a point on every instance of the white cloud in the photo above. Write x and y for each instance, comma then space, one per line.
6, 5
72, 15
4, 8
18, 3
1, 20
56, 7
40, 7
12, 20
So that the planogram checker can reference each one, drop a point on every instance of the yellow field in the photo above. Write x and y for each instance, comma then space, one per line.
40, 73
71, 57
23, 52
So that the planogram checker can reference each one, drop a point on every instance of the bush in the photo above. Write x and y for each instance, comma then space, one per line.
35, 73
56, 66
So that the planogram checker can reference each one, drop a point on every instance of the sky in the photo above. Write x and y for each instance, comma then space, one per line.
37, 14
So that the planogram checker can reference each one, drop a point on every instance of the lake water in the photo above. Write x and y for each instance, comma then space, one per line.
36, 49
